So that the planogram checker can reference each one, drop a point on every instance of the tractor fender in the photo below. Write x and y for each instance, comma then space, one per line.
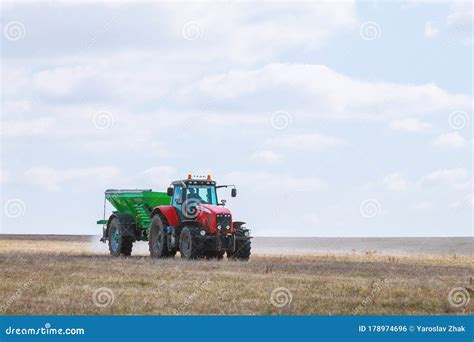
169, 212
127, 224
237, 224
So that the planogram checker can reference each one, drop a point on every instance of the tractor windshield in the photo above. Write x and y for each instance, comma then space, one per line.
203, 194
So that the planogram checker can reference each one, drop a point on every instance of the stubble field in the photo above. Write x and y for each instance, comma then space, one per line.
63, 276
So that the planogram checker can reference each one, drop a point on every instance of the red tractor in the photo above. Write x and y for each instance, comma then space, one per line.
188, 219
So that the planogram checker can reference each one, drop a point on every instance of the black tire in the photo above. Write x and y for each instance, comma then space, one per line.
190, 246
158, 242
242, 248
119, 245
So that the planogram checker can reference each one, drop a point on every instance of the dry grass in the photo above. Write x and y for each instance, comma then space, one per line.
60, 277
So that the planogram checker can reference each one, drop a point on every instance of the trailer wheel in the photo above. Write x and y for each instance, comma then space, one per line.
119, 244
189, 245
157, 242
242, 247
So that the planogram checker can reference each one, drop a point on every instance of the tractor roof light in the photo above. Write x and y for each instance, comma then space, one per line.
208, 177
190, 176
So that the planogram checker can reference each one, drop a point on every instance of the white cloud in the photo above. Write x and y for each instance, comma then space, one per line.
24, 127
431, 30
334, 95
456, 178
461, 12
395, 182
452, 140
263, 30
62, 80
232, 119
410, 125
458, 23
159, 176
467, 202
238, 32
267, 156
311, 141
275, 182
17, 108
54, 179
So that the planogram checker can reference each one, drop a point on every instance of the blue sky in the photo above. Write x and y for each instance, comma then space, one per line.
332, 118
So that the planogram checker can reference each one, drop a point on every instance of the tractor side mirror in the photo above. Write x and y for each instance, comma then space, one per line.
233, 192
170, 191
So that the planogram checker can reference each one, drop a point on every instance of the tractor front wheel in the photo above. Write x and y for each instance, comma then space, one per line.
242, 248
157, 242
119, 244
189, 245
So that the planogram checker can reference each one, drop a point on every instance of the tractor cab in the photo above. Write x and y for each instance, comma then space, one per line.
188, 195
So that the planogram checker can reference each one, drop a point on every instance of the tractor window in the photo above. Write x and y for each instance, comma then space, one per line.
203, 194
177, 195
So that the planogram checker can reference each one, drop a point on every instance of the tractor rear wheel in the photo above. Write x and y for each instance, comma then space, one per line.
242, 248
158, 242
189, 245
119, 244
